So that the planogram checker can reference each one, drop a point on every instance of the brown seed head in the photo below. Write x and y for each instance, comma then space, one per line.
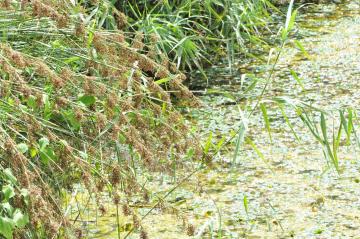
6, 4
102, 209
136, 221
143, 234
101, 120
138, 41
89, 86
115, 175
80, 30
116, 199
121, 20
190, 230
61, 101
126, 210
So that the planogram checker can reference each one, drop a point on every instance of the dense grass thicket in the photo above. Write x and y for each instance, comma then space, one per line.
89, 93
190, 31
81, 103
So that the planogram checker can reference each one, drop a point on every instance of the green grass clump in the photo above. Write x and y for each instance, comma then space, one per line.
190, 31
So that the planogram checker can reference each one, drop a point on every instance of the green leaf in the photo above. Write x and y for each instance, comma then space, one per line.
220, 143
47, 108
298, 80
122, 138
8, 191
163, 80
239, 141
7, 207
22, 147
33, 152
91, 33
289, 14
290, 19
349, 129
26, 195
251, 86
302, 49
83, 155
323, 127
31, 102
6, 227
87, 100
46, 155
9, 176
71, 118
311, 127
256, 149
208, 143
336, 144
246, 204
266, 118
57, 44
347, 124
288, 122
330, 153
20, 219
72, 59
190, 153
43, 143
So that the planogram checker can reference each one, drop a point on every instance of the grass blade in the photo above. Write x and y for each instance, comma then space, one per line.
266, 118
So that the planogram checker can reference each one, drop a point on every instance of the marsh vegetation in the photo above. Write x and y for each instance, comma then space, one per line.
179, 119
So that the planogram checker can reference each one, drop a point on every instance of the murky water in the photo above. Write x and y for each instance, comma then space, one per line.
291, 191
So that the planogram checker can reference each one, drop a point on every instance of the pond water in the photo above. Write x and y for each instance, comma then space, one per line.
289, 189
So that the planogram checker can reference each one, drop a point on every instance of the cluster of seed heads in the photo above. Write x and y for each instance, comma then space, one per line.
90, 124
